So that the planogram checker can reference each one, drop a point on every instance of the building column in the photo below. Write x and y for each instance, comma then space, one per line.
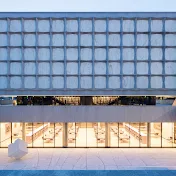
65, 137
148, 134
107, 135
24, 131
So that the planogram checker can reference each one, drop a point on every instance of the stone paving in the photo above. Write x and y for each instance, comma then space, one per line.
92, 159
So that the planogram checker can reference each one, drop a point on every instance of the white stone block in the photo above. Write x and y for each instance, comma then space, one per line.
156, 68
100, 25
128, 25
15, 68
86, 54
142, 82
72, 82
44, 82
29, 54
29, 82
3, 81
170, 82
142, 25
72, 40
170, 68
3, 54
114, 25
86, 68
128, 54
58, 68
100, 82
86, 40
43, 25
156, 82
128, 68
72, 54
114, 54
100, 54
15, 82
142, 68
128, 40
72, 25
15, 40
170, 40
58, 25
29, 40
142, 40
100, 40
43, 54
58, 82
114, 40
170, 25
3, 68
170, 53
44, 68
15, 54
114, 82
156, 54
29, 26
43, 40
156, 26
58, 54
18, 149
72, 68
86, 25
128, 82
86, 82
142, 54
100, 68
3, 40
3, 25
156, 40
15, 26
114, 68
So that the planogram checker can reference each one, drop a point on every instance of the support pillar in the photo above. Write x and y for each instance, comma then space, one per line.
24, 131
148, 134
65, 134
107, 135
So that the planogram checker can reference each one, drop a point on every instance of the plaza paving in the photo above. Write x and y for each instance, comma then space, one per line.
92, 159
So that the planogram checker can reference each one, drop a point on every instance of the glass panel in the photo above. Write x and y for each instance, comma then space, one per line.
101, 134
71, 134
49, 135
5, 134
167, 134
134, 134
29, 132
81, 134
58, 134
124, 136
91, 134
113, 134
143, 134
16, 131
155, 134
38, 130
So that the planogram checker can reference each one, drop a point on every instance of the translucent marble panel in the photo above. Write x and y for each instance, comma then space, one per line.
100, 68
72, 82
43, 68
170, 40
156, 68
170, 82
58, 54
58, 68
100, 25
142, 54
100, 54
3, 40
15, 40
15, 68
29, 82
43, 54
156, 26
58, 82
3, 68
170, 54
58, 40
3, 81
156, 40
86, 82
128, 54
170, 25
86, 40
142, 68
43, 25
86, 68
114, 40
142, 82
100, 40
72, 40
156, 54
29, 40
86, 25
3, 25
142, 25
142, 40
72, 68
29, 68
114, 54
15, 54
128, 25
29, 26
114, 82
114, 25
156, 82
43, 40
29, 54
170, 68
128, 40
128, 82
3, 54
114, 68
58, 25
86, 54
15, 82
128, 68
72, 54
100, 82
15, 26
72, 25
44, 82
